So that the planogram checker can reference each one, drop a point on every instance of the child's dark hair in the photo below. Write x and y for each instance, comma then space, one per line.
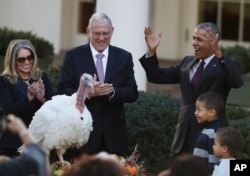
188, 164
212, 100
231, 138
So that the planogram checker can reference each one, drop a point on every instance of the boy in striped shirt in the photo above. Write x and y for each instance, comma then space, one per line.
208, 109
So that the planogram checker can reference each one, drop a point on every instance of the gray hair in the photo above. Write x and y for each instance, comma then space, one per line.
99, 17
211, 25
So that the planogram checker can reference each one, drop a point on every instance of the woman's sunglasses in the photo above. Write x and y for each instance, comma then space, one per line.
23, 59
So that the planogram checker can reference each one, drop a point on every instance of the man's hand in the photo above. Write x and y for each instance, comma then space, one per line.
101, 89
152, 41
213, 40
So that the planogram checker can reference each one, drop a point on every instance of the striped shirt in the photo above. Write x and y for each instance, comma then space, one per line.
204, 144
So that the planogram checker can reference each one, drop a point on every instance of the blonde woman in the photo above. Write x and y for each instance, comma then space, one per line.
23, 89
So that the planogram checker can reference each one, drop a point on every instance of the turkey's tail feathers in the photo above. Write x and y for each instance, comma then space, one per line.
22, 148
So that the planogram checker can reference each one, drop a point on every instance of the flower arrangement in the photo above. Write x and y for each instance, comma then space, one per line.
132, 165
59, 168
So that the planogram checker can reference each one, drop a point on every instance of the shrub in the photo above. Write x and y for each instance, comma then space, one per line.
53, 76
42, 46
240, 119
241, 55
151, 124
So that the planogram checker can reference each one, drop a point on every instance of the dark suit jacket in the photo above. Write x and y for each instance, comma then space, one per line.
218, 76
13, 99
108, 115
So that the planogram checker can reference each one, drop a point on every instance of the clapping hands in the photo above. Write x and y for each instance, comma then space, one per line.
100, 89
41, 91
36, 89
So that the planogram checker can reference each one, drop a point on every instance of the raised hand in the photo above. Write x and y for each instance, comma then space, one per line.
15, 124
151, 40
213, 40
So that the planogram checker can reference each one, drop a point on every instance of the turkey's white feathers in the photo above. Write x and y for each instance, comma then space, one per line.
59, 124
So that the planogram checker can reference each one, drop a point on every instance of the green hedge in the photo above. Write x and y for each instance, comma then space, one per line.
42, 46
240, 119
241, 54
53, 74
151, 124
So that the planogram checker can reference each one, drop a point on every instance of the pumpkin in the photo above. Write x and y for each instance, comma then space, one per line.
131, 169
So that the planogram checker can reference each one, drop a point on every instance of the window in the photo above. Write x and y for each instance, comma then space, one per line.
86, 9
208, 11
230, 20
246, 21
231, 16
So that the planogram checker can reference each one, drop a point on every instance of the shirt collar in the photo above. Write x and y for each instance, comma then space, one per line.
95, 52
207, 60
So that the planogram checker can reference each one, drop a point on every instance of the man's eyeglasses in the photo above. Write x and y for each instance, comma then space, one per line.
104, 34
23, 59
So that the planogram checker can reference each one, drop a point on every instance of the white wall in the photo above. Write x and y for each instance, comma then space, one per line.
176, 19
78, 38
188, 22
42, 17
166, 20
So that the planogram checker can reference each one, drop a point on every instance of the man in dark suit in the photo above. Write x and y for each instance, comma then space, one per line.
219, 74
106, 102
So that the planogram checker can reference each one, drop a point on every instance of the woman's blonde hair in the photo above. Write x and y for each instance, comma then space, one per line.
10, 70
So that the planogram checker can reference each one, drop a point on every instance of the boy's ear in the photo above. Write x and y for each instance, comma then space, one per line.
213, 112
225, 149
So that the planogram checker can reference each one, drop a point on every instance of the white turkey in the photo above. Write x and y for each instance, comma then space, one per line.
64, 121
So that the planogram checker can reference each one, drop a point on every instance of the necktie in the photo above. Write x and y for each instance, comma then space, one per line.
195, 79
99, 67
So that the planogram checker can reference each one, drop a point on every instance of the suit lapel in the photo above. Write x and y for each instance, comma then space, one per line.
212, 65
189, 65
112, 59
88, 60
187, 70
